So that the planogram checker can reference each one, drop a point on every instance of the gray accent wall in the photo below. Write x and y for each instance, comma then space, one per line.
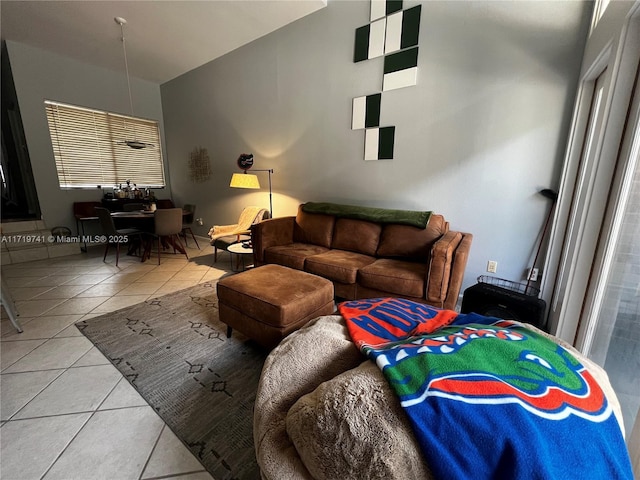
480, 134
40, 76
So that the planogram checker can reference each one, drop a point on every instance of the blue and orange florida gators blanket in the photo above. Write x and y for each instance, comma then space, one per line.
489, 398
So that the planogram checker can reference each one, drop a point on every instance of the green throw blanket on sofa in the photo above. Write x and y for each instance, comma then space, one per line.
370, 214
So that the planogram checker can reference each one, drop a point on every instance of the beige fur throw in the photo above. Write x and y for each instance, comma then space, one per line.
247, 218
354, 427
322, 409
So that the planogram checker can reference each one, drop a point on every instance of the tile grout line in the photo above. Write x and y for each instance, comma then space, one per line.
16, 420
66, 414
2, 371
33, 350
153, 449
177, 475
33, 398
67, 445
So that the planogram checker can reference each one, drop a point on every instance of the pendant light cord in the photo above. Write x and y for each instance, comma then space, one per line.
131, 143
126, 66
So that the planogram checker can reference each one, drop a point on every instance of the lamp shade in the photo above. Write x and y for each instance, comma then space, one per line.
244, 180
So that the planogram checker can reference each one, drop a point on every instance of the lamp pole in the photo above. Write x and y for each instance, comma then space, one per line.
270, 171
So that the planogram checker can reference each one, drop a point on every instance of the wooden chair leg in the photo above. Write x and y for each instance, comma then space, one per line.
215, 254
106, 250
192, 236
148, 246
158, 250
147, 250
117, 252
182, 246
139, 245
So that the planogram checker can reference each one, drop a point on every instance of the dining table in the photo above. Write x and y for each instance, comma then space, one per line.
143, 220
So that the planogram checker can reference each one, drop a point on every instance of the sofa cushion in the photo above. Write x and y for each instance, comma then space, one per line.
337, 265
313, 228
356, 236
394, 276
404, 241
292, 255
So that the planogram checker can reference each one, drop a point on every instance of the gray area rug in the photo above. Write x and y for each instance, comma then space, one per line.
174, 351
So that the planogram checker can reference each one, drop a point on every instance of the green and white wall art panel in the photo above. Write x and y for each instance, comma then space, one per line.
394, 33
370, 41
378, 143
403, 29
366, 111
400, 69
382, 8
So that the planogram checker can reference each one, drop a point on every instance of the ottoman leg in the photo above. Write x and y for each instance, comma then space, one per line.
229, 330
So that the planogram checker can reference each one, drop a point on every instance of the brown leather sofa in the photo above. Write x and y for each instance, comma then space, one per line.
368, 259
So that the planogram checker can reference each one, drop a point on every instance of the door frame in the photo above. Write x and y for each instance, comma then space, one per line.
566, 280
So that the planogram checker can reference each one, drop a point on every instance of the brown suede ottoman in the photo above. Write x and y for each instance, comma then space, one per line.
269, 302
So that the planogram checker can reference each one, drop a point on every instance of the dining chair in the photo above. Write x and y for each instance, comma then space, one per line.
187, 221
167, 227
84, 212
132, 207
164, 203
113, 234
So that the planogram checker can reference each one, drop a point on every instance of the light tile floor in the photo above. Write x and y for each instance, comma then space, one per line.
66, 412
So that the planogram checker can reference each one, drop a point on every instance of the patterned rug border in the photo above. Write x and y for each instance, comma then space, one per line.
173, 350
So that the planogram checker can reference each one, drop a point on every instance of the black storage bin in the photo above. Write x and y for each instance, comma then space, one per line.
496, 297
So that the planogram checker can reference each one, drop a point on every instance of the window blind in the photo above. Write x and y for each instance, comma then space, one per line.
89, 150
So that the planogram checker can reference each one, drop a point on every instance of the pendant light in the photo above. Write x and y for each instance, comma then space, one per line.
130, 143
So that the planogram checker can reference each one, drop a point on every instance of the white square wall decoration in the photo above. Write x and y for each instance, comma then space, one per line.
400, 79
376, 38
394, 33
359, 112
371, 137
378, 9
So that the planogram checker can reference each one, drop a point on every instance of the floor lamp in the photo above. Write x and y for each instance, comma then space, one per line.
248, 180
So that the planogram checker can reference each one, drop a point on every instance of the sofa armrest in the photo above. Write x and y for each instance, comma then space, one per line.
269, 233
446, 268
458, 267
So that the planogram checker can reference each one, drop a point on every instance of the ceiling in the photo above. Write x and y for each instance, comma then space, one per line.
164, 39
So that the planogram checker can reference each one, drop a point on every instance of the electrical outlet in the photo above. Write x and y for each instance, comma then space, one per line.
533, 274
492, 266
199, 221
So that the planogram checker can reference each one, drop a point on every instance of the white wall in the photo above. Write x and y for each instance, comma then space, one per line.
482, 132
40, 76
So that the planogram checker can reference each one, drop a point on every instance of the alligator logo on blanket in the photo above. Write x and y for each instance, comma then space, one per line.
497, 363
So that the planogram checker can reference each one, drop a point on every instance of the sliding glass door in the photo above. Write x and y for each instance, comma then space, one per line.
609, 329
